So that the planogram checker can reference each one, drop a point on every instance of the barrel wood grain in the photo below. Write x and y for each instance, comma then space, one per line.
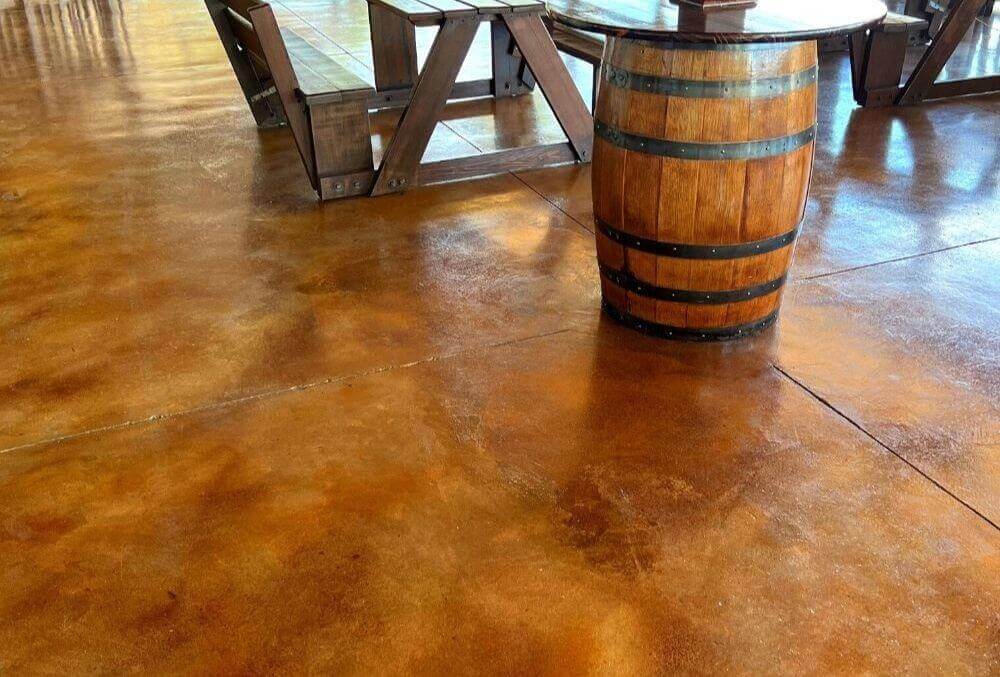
652, 194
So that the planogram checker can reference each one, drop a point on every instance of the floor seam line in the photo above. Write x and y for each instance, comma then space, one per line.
896, 260
829, 405
557, 207
302, 387
459, 135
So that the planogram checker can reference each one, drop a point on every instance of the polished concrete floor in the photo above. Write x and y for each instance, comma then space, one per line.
244, 432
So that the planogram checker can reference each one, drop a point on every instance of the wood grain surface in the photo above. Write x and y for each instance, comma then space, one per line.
725, 202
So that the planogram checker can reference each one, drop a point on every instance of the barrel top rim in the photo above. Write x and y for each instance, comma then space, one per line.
768, 21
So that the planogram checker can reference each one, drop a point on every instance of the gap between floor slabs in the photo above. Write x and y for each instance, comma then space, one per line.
224, 404
557, 207
826, 403
895, 260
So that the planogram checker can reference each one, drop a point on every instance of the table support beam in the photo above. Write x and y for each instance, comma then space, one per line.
943, 45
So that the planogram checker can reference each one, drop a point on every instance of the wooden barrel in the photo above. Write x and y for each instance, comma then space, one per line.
702, 160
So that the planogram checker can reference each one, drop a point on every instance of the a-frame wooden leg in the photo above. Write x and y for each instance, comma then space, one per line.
394, 49
956, 25
402, 158
857, 45
262, 101
510, 74
285, 81
554, 80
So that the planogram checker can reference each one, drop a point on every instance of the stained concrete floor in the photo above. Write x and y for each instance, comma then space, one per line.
244, 432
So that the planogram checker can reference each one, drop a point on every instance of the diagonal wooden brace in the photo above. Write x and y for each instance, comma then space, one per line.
535, 44
402, 158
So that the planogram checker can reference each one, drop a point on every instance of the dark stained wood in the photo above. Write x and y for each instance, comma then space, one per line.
396, 98
714, 202
394, 48
246, 36
341, 138
582, 46
419, 13
882, 69
508, 63
504, 65
266, 110
451, 8
525, 5
857, 44
286, 82
554, 80
522, 51
956, 24
347, 185
241, 7
488, 6
877, 58
329, 80
324, 104
511, 160
406, 149
766, 21
947, 88
577, 43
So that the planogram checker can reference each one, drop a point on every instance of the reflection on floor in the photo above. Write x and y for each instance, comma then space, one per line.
241, 431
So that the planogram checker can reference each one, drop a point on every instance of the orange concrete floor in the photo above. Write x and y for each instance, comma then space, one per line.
245, 432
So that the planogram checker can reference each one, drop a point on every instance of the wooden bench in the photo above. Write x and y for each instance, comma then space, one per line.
286, 80
518, 35
877, 57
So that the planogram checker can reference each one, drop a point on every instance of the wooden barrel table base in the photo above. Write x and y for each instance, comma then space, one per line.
702, 161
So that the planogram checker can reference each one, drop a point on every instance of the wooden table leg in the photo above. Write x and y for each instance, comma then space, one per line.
263, 104
955, 26
402, 158
394, 49
286, 83
554, 80
508, 65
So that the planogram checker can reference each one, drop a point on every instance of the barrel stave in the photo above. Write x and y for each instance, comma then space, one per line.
667, 199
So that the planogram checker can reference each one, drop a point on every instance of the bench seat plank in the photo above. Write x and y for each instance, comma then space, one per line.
524, 5
488, 6
323, 103
450, 8
319, 74
246, 36
419, 13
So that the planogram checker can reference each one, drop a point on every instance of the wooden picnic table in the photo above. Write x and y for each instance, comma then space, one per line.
523, 54
704, 135
951, 21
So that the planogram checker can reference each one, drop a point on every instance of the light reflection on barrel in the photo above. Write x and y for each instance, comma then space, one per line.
702, 163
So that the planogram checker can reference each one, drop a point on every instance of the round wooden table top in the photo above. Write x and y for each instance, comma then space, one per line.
765, 21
